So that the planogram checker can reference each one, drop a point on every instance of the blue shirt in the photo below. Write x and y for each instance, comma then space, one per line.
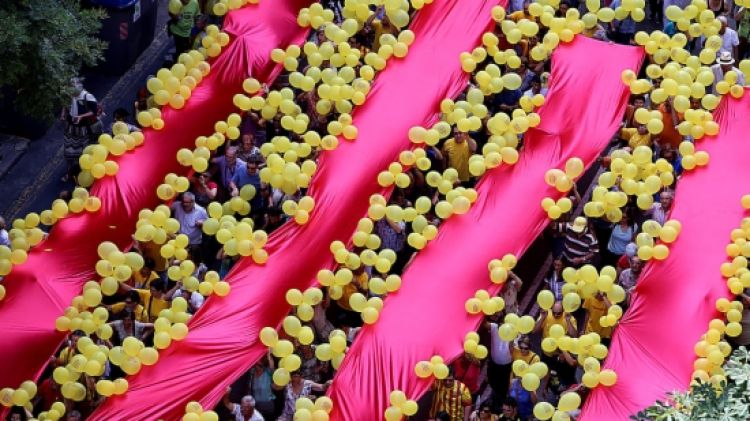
241, 178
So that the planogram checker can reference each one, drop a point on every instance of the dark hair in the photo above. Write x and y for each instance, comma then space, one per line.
442, 416
158, 285
78, 333
120, 113
511, 402
133, 295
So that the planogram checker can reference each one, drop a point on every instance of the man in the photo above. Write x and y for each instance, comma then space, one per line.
725, 63
636, 136
510, 292
245, 411
130, 305
499, 366
4, 240
629, 277
730, 41
623, 31
227, 165
247, 174
536, 87
191, 217
596, 307
510, 410
182, 24
457, 152
659, 212
247, 149
579, 245
154, 299
556, 316
451, 396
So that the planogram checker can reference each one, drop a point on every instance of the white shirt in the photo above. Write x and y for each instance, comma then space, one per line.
195, 298
4, 240
500, 349
238, 414
188, 221
719, 75
729, 40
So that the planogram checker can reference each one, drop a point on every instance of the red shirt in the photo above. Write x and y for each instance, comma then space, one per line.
467, 372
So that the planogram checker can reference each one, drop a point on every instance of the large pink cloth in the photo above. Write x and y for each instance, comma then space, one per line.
39, 290
223, 339
427, 315
652, 348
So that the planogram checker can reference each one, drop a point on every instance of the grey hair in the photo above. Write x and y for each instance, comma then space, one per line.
189, 195
249, 399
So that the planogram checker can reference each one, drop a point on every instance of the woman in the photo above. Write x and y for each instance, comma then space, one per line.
623, 233
204, 189
82, 126
297, 388
128, 326
261, 383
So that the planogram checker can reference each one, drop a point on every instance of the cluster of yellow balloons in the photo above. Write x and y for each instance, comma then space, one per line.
24, 234
304, 301
499, 268
434, 367
712, 350
156, 225
299, 211
692, 158
333, 351
172, 186
174, 86
238, 238
400, 406
221, 7
395, 173
472, 346
363, 237
293, 327
282, 171
19, 397
481, 302
513, 325
94, 163
652, 230
307, 410
569, 401
586, 282
194, 410
369, 309
56, 412
530, 374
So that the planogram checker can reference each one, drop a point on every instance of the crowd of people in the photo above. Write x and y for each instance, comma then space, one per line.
475, 389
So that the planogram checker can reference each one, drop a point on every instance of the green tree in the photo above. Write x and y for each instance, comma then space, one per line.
704, 402
45, 43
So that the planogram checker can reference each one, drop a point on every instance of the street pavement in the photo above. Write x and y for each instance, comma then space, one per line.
31, 171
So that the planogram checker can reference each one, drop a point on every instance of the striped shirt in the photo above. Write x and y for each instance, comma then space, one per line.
576, 246
450, 399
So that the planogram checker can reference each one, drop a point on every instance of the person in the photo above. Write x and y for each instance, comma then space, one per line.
154, 299
247, 149
629, 277
510, 410
483, 413
521, 350
638, 136
622, 234
457, 151
659, 212
143, 278
742, 17
181, 25
69, 350
556, 316
524, 401
730, 40
467, 369
536, 87
297, 388
130, 304
4, 238
119, 116
191, 217
623, 30
725, 63
245, 411
596, 307
579, 245
82, 128
247, 174
261, 386
204, 189
451, 396
227, 165
128, 326
554, 279
670, 118
499, 365
194, 299
510, 292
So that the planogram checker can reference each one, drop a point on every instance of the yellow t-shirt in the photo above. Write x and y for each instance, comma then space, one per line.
634, 138
551, 320
351, 288
529, 358
518, 15
140, 313
66, 354
141, 281
596, 309
151, 307
457, 155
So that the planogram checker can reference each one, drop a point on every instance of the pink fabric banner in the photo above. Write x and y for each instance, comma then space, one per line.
427, 315
652, 349
39, 290
223, 339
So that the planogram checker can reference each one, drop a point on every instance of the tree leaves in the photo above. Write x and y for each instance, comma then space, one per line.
45, 43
